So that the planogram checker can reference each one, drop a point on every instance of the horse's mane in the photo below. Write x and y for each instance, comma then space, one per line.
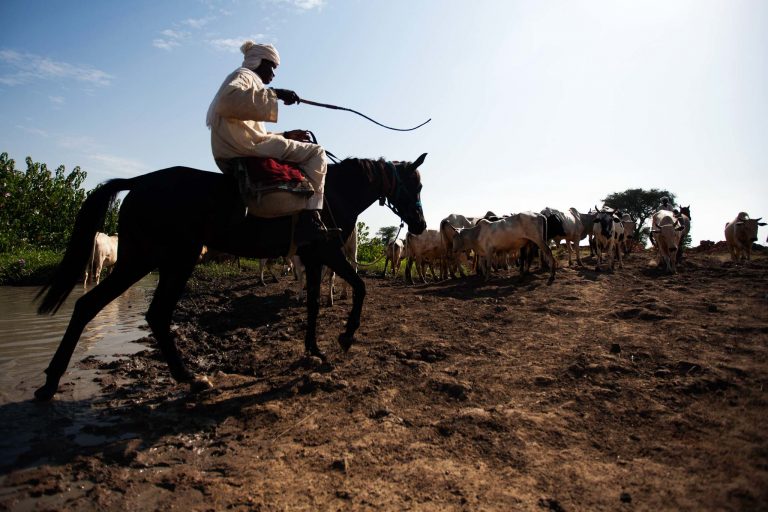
371, 168
365, 163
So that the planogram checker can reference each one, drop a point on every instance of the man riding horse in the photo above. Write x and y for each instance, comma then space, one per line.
239, 139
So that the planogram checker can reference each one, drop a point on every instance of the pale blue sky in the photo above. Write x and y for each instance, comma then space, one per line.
533, 103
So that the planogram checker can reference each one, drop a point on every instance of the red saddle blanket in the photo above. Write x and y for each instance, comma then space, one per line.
269, 171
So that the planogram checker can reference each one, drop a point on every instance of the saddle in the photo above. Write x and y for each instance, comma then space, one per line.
269, 187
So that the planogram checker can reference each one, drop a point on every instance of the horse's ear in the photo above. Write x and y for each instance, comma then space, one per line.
419, 161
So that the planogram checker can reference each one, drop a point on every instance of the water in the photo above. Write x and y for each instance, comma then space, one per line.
28, 340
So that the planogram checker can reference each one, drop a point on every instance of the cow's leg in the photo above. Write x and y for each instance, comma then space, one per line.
85, 309
262, 262
545, 254
578, 252
408, 265
611, 255
331, 284
386, 260
569, 248
97, 271
299, 273
420, 269
432, 270
173, 278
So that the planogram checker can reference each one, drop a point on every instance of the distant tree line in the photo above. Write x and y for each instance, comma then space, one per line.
38, 207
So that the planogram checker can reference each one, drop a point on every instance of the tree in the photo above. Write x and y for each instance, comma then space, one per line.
387, 234
362, 233
640, 204
367, 249
37, 207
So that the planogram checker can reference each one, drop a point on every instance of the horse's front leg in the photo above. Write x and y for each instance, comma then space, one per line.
336, 260
313, 271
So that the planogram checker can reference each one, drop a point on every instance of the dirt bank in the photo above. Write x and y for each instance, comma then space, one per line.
635, 390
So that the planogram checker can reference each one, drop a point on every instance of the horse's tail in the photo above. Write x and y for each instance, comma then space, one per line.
89, 220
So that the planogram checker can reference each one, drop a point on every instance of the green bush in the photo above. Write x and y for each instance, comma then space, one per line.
38, 207
28, 267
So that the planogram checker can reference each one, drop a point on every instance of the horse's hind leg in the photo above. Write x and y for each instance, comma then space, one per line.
313, 271
173, 278
85, 309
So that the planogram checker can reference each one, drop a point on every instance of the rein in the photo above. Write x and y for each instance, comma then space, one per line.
334, 107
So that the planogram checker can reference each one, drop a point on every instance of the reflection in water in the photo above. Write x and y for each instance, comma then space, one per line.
28, 340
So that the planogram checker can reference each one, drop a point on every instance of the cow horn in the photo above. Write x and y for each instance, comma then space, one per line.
758, 219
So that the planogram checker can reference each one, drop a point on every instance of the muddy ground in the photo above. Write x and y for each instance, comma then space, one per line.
635, 390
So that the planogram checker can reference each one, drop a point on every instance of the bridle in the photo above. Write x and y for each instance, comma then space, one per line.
392, 188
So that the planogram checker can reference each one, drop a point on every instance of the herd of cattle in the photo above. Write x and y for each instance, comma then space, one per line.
490, 242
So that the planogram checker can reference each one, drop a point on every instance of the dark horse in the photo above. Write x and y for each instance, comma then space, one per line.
169, 214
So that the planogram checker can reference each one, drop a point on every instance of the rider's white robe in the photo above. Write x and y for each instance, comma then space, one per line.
236, 117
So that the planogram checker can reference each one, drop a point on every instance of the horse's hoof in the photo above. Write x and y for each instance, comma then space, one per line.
311, 360
200, 384
312, 355
346, 341
46, 392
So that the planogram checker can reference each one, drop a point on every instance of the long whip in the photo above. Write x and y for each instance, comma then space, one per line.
334, 107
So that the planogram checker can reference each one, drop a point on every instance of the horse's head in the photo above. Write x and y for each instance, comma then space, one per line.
404, 194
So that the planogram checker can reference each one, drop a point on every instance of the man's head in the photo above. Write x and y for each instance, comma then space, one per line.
262, 59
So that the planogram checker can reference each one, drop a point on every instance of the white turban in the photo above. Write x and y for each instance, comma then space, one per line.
254, 53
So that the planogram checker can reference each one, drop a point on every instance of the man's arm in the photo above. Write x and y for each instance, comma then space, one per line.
242, 99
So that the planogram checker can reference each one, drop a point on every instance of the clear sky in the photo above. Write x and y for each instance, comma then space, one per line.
533, 103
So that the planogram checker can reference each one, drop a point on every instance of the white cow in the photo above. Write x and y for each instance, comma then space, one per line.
607, 230
422, 249
666, 230
740, 234
393, 255
453, 262
103, 256
507, 234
